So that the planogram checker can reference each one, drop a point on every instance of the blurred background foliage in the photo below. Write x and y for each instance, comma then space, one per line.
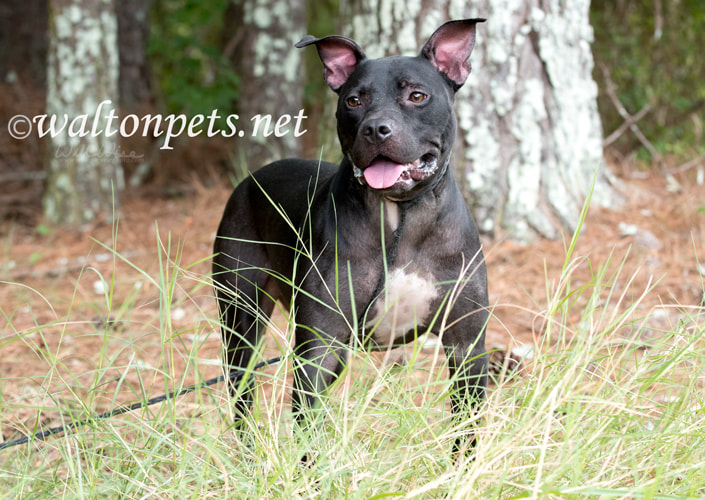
185, 48
181, 56
651, 50
648, 61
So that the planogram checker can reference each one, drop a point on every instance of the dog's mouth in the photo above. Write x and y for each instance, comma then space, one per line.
384, 173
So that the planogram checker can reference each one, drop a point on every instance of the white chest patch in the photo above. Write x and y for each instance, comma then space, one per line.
404, 303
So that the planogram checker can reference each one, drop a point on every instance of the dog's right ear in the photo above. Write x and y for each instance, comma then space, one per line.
339, 55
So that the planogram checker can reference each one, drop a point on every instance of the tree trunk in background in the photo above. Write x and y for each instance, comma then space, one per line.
23, 44
133, 37
261, 46
529, 134
84, 173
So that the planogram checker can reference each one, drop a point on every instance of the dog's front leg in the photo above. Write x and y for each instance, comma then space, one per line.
319, 360
468, 369
464, 344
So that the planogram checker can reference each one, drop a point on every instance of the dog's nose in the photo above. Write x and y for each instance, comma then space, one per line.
377, 131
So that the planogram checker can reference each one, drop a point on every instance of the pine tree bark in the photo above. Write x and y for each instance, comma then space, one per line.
529, 135
84, 173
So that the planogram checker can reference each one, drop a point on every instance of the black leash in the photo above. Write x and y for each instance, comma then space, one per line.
234, 375
394, 249
390, 261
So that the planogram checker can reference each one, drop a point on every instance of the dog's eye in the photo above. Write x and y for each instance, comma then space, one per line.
353, 101
417, 97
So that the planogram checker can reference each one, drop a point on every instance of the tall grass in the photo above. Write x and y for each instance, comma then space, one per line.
607, 407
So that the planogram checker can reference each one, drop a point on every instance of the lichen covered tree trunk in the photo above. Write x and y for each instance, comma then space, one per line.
270, 70
84, 170
529, 134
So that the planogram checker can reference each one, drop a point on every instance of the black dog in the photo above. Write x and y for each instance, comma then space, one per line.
368, 251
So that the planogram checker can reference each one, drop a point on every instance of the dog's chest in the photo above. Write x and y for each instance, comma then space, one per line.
404, 303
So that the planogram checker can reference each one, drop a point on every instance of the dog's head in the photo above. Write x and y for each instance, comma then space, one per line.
395, 114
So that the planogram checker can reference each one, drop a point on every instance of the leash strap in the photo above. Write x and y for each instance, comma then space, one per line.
391, 259
394, 249
233, 375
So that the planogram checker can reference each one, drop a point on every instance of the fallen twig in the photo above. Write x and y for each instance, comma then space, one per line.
624, 126
611, 90
699, 160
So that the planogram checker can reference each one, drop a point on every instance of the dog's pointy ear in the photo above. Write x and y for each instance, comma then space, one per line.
339, 55
449, 48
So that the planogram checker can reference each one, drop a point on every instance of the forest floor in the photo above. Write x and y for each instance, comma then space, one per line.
72, 299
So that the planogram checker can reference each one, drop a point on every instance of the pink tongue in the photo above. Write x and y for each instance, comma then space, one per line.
382, 174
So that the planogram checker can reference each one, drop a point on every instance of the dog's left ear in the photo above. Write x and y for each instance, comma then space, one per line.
449, 48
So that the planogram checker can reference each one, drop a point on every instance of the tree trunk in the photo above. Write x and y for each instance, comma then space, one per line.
84, 170
23, 41
261, 46
133, 36
529, 135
